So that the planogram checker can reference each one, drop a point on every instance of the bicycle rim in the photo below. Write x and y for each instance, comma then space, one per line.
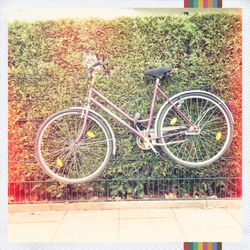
206, 146
65, 161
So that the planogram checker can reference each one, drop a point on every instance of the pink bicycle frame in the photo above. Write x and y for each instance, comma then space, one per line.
92, 92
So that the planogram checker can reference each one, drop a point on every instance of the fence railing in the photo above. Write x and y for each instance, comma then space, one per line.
141, 187
155, 189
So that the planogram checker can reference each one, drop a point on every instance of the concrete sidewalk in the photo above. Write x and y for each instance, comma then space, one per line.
127, 225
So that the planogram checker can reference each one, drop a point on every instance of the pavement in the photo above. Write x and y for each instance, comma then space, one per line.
138, 224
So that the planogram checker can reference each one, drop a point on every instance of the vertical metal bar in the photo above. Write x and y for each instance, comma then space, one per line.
14, 191
152, 106
106, 189
46, 193
189, 187
163, 188
220, 189
82, 191
66, 193
158, 186
29, 189
24, 190
148, 187
215, 186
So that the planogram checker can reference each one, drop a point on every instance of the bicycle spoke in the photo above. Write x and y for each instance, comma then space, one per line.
181, 147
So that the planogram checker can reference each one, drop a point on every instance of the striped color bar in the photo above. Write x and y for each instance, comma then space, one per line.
202, 3
202, 246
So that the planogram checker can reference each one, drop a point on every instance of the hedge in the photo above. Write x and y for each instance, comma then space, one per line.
46, 73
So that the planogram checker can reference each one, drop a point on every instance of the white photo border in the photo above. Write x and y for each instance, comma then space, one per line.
21, 4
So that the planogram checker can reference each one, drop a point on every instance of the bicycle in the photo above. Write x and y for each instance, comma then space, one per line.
194, 128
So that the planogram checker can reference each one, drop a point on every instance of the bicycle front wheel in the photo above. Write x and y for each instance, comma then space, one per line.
61, 158
205, 145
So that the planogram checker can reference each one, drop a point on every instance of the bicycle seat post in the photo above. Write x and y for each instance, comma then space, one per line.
157, 81
92, 80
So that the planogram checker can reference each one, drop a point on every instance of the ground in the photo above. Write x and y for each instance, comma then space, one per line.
128, 224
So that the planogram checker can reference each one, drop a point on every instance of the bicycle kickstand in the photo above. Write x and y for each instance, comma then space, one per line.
153, 148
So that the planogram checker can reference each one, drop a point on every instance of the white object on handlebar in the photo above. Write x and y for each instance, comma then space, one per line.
90, 60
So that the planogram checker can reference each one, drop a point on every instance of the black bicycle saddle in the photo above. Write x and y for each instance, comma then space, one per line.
158, 72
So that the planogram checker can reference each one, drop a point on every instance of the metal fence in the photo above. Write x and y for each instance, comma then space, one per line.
155, 189
141, 187
176, 183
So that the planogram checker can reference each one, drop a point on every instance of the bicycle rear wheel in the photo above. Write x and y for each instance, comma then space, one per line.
61, 158
212, 138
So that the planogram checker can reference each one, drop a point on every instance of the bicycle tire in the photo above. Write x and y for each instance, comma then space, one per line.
214, 137
57, 166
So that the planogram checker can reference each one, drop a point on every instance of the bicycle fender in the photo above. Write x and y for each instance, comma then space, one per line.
106, 123
213, 97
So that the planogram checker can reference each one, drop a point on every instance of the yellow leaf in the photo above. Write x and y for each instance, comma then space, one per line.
90, 135
173, 121
218, 136
59, 163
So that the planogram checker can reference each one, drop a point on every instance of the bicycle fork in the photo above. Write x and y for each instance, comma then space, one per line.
84, 115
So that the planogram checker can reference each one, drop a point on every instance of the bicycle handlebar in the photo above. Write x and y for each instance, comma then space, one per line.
94, 65
96, 61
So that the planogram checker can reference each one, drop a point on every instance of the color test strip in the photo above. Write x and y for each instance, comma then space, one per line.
203, 3
202, 246
200, 5
214, 246
205, 246
219, 246
185, 245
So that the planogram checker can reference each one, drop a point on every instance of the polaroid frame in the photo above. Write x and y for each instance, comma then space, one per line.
4, 6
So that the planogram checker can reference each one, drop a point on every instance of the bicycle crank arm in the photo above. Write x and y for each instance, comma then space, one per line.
151, 145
